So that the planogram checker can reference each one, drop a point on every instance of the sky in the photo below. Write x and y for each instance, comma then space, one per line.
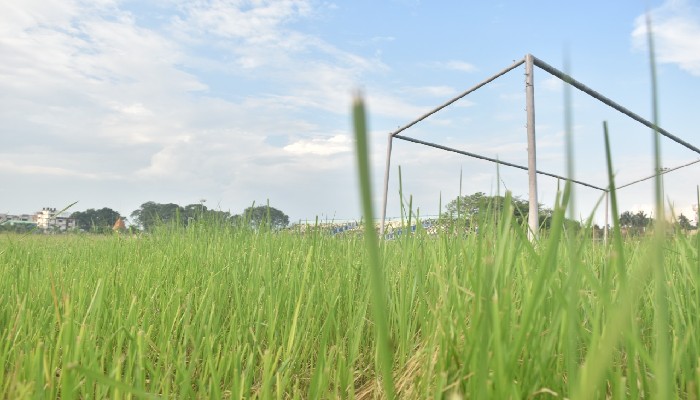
115, 103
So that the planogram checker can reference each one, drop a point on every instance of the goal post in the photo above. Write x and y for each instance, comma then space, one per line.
530, 62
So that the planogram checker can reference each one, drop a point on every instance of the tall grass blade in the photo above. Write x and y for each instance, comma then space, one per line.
379, 306
663, 367
573, 281
619, 253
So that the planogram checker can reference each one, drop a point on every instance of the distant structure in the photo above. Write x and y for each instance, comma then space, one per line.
119, 225
16, 220
48, 219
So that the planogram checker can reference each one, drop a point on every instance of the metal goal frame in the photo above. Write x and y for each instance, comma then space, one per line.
530, 62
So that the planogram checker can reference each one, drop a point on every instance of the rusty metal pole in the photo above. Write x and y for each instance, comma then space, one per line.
386, 184
533, 216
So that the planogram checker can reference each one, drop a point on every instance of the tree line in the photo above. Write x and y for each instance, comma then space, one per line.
151, 214
469, 208
638, 223
477, 206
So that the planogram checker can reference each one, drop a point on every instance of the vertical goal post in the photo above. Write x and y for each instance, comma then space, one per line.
530, 62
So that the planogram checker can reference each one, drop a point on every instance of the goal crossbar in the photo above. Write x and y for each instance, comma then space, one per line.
494, 160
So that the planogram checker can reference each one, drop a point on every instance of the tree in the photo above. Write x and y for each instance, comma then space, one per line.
199, 212
598, 231
151, 214
635, 223
684, 223
626, 219
92, 220
470, 206
475, 207
195, 211
641, 220
263, 216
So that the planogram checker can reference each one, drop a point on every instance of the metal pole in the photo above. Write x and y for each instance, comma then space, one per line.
386, 183
494, 160
533, 216
605, 229
662, 172
585, 89
461, 95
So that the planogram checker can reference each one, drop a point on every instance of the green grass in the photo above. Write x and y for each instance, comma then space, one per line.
224, 313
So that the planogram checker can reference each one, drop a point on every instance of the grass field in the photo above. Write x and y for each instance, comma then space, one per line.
212, 312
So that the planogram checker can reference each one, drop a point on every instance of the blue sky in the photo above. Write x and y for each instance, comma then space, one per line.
115, 103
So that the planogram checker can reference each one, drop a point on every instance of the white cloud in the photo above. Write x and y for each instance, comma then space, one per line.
259, 23
135, 109
552, 84
311, 73
321, 146
455, 65
89, 71
676, 33
388, 105
28, 169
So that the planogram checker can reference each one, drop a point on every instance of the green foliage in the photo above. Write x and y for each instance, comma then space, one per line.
99, 221
684, 223
479, 206
635, 223
262, 217
151, 215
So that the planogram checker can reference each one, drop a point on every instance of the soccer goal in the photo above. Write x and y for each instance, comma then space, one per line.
530, 61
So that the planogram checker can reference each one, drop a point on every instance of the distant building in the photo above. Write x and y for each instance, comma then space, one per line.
25, 220
47, 219
6, 218
17, 221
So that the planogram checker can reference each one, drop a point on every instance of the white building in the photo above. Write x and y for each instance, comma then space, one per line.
48, 219
12, 220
